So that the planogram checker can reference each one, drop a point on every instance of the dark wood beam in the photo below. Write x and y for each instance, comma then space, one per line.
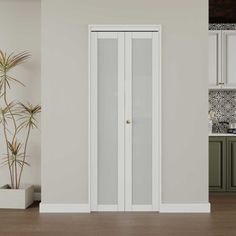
222, 11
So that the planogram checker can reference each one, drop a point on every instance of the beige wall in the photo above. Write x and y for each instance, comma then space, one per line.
65, 93
20, 30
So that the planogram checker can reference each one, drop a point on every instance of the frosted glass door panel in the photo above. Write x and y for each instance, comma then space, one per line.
142, 121
107, 121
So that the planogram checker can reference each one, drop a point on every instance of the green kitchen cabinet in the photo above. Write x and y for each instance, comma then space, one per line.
231, 164
217, 164
222, 164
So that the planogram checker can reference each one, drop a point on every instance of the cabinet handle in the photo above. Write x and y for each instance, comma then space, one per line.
221, 83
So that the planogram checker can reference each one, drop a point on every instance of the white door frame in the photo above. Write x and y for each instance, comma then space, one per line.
156, 126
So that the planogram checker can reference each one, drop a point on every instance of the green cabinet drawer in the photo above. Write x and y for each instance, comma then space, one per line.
217, 164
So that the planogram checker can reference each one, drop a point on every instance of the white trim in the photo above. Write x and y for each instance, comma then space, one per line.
155, 118
222, 88
146, 208
159, 143
93, 122
124, 28
37, 196
185, 208
108, 208
89, 120
64, 208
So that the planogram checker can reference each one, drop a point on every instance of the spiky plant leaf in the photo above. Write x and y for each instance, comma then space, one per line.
27, 113
5, 112
15, 155
14, 147
8, 62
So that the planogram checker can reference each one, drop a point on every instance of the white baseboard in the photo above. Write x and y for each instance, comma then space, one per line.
164, 208
64, 208
185, 208
37, 196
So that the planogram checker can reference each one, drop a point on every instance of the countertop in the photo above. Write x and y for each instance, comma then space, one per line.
221, 134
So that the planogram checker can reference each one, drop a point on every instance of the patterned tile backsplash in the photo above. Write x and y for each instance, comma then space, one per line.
223, 104
222, 27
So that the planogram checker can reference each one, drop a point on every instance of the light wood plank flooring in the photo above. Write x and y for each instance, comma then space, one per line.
221, 222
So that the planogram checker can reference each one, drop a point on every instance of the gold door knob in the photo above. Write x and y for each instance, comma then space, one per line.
128, 122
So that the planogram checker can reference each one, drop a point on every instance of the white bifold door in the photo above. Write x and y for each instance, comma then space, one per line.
124, 121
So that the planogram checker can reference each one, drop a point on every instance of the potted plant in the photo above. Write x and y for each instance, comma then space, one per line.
17, 121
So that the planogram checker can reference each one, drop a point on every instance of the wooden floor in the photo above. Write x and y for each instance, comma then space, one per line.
221, 222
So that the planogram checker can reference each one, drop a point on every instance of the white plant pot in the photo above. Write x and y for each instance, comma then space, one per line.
16, 198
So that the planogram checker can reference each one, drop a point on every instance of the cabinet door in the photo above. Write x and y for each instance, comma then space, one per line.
217, 164
231, 164
229, 58
214, 59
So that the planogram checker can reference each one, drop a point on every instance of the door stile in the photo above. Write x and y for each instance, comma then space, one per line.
121, 122
155, 119
93, 122
128, 121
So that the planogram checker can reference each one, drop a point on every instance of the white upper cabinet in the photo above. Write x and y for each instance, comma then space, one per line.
222, 59
214, 59
229, 58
